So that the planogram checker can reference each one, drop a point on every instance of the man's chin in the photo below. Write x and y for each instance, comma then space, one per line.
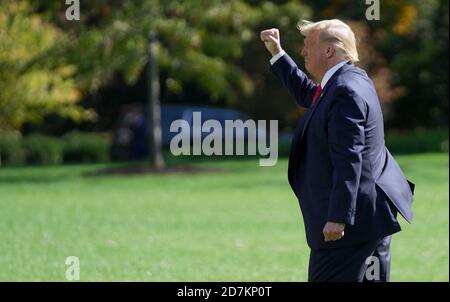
306, 64
307, 68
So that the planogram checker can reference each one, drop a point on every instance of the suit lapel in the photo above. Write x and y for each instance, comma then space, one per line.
311, 110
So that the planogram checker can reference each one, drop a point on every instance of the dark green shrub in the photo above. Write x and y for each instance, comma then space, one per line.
11, 149
86, 147
417, 141
42, 149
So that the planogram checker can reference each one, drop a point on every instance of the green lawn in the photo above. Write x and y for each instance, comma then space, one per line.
242, 224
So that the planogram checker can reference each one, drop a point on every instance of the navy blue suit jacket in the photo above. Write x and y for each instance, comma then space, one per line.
339, 167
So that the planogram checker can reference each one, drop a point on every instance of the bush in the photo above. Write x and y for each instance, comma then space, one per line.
417, 141
11, 149
42, 149
401, 142
86, 147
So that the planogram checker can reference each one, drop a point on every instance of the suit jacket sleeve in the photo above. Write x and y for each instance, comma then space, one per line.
346, 142
295, 80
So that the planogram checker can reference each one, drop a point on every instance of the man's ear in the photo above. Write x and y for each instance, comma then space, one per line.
330, 51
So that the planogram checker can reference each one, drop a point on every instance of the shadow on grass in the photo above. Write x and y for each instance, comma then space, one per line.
144, 168
43, 178
53, 174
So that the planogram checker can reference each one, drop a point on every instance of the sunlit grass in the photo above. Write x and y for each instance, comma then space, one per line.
241, 224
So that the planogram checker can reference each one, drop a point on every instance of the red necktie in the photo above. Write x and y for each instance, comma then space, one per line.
316, 95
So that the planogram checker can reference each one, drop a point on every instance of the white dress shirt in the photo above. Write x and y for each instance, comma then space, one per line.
276, 57
326, 76
330, 73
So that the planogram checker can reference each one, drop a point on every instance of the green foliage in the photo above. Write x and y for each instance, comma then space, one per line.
199, 42
31, 86
417, 141
86, 147
11, 150
420, 61
38, 149
213, 47
269, 99
401, 142
41, 149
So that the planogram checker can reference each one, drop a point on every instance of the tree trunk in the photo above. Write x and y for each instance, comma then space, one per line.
153, 107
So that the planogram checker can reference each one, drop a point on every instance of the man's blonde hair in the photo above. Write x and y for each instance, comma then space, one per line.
336, 32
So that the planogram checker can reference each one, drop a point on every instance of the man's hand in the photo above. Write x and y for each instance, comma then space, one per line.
333, 231
271, 39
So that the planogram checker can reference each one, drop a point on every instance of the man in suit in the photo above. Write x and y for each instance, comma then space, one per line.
348, 185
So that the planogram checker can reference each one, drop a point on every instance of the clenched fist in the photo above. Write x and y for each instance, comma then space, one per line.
333, 231
271, 39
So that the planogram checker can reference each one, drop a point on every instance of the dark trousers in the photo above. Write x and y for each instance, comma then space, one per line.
366, 262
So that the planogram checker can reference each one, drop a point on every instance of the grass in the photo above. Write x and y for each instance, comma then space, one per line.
242, 224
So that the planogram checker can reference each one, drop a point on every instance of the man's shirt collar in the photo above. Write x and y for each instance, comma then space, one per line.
330, 73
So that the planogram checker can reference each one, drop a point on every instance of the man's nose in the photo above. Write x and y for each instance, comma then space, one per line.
302, 52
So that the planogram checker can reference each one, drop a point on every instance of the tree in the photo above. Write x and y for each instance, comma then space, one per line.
153, 105
31, 85
198, 42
